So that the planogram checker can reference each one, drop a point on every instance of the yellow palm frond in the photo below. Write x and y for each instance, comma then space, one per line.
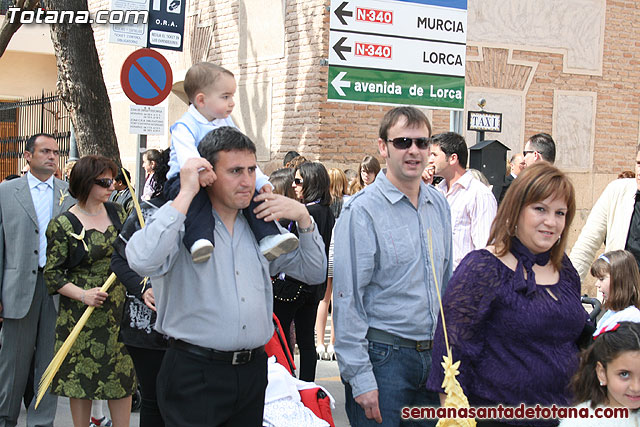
63, 195
52, 369
135, 199
144, 284
140, 218
455, 394
81, 238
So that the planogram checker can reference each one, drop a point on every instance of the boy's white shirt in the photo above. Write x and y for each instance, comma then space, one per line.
185, 146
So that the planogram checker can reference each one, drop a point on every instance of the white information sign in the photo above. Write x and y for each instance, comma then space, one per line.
146, 120
131, 34
409, 52
389, 53
410, 19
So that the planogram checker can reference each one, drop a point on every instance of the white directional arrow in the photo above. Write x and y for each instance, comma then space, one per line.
338, 83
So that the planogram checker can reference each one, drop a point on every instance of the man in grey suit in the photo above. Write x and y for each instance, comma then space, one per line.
29, 316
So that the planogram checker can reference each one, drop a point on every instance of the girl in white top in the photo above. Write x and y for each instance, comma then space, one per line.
618, 280
608, 379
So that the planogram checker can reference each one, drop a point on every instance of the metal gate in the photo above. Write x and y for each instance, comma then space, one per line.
19, 120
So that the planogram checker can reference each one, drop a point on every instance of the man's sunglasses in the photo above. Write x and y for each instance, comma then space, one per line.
525, 152
103, 182
402, 143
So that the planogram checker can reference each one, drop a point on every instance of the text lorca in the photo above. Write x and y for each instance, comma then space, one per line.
442, 58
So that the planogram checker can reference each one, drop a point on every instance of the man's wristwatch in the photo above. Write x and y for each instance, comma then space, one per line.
308, 229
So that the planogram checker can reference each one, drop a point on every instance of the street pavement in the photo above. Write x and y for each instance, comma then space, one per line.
327, 375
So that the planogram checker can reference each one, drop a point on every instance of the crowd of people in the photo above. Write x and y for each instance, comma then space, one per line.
222, 247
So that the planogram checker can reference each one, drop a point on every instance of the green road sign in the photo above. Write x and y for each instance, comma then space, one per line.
348, 84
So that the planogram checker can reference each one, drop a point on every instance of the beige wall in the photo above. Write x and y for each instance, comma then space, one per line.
32, 38
26, 74
29, 65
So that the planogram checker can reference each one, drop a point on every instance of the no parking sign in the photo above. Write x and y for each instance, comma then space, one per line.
146, 77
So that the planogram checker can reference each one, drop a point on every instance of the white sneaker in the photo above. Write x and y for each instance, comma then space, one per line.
201, 250
278, 244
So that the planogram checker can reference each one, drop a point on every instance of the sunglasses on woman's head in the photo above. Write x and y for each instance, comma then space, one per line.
402, 143
103, 182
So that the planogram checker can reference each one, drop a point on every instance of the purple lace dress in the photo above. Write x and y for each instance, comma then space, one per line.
514, 346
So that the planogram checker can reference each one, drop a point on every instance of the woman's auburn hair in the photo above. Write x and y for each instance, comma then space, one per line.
535, 184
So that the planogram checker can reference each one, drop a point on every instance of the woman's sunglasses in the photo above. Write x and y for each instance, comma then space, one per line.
103, 182
402, 143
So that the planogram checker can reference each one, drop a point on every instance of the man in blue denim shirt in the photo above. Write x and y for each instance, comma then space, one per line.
386, 304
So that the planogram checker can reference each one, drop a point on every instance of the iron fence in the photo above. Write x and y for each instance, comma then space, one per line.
22, 119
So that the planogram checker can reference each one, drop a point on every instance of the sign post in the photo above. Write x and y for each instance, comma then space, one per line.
398, 52
146, 79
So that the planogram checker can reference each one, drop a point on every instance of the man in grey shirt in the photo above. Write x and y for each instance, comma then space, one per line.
218, 313
386, 306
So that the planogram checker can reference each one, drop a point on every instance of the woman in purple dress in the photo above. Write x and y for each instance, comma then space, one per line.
513, 310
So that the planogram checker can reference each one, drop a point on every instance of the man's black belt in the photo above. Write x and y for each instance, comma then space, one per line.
239, 357
383, 337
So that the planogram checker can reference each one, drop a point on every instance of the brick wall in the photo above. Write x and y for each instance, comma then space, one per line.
341, 133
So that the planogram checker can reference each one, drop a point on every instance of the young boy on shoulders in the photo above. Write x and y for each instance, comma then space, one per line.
210, 89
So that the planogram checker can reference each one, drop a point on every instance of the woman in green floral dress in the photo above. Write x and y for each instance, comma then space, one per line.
79, 250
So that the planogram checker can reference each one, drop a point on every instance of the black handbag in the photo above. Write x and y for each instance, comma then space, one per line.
286, 290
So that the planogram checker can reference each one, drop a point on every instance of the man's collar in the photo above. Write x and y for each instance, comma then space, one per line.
391, 192
33, 181
463, 181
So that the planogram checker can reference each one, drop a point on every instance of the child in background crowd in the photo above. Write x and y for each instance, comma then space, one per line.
210, 89
609, 374
618, 280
